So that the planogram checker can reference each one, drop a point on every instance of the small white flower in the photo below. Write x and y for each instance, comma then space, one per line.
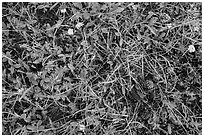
191, 48
169, 25
70, 32
79, 25
63, 10
82, 127
20, 90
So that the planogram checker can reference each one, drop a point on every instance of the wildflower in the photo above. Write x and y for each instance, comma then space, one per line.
191, 48
70, 32
79, 25
63, 10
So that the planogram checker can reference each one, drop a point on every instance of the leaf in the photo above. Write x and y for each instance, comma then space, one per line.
117, 34
118, 10
104, 7
171, 105
37, 61
33, 128
47, 80
4, 59
95, 36
196, 124
4, 29
84, 43
121, 42
24, 45
63, 97
81, 127
26, 66
73, 107
29, 74
79, 25
86, 15
124, 112
34, 82
11, 70
39, 123
123, 90
104, 30
59, 22
95, 7
74, 124
17, 65
153, 30
77, 4
23, 116
41, 127
28, 119
96, 122
71, 67
135, 7
150, 14
43, 6
55, 4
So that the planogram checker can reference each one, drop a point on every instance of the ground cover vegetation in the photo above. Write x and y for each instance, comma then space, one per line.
101, 68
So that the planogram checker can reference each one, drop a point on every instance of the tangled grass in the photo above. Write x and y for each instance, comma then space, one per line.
101, 68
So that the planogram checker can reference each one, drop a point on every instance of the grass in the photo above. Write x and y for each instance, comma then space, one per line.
101, 68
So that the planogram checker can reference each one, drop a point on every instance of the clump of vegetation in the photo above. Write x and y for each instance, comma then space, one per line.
101, 68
